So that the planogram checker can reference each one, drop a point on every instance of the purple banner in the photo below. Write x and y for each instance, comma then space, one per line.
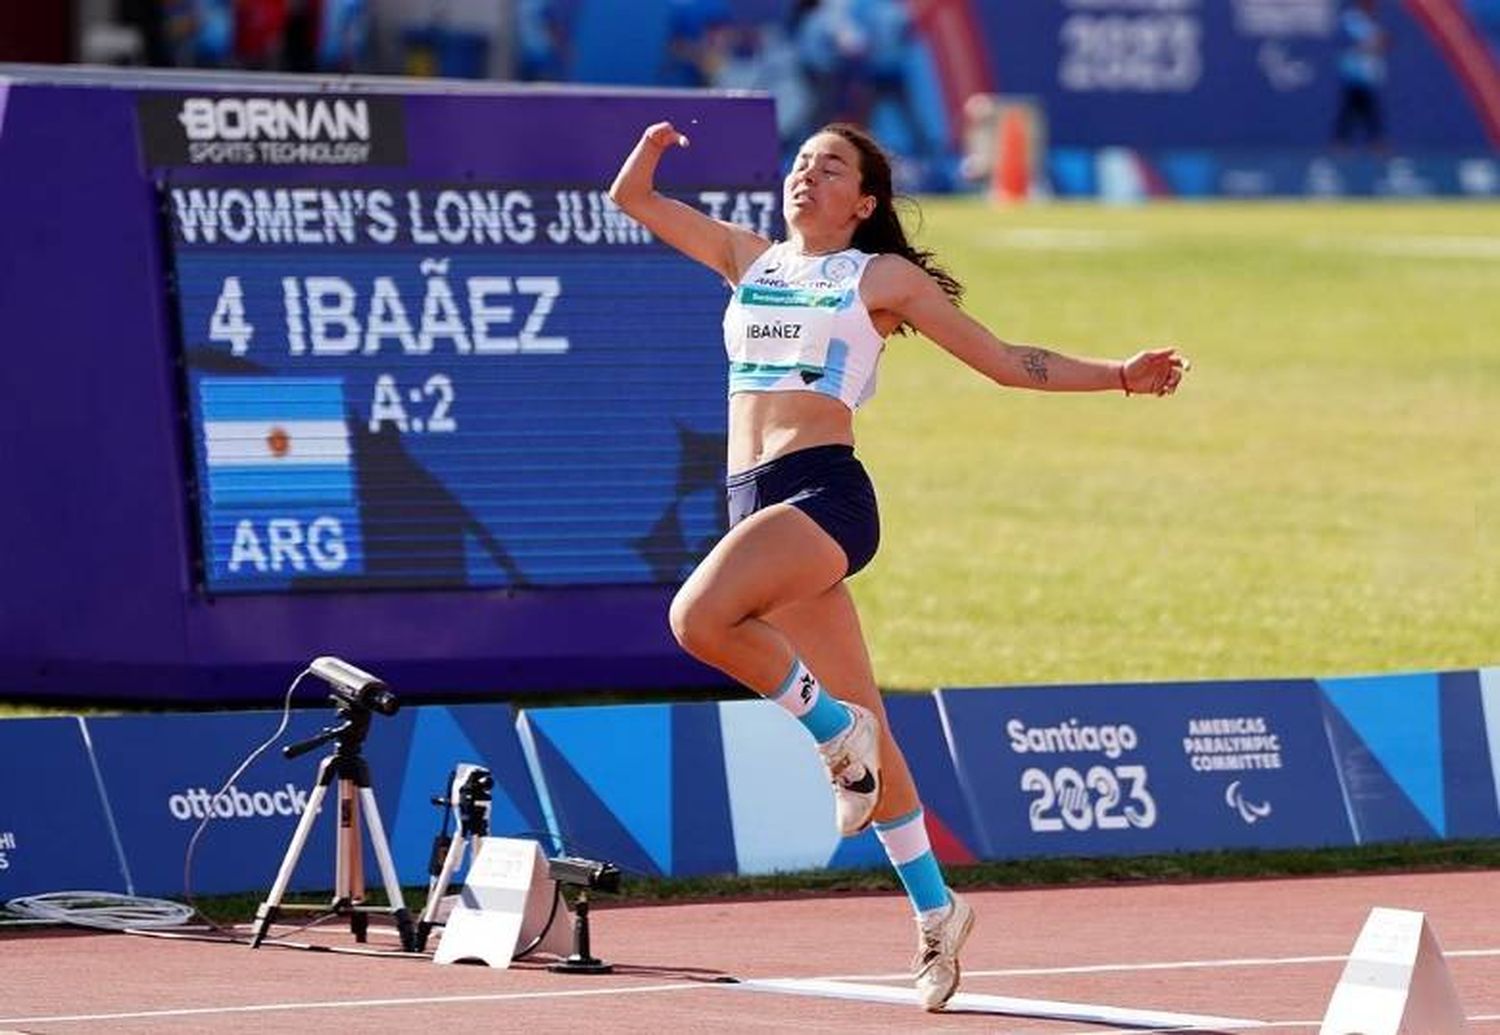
104, 596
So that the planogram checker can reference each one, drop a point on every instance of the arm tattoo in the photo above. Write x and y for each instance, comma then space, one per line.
1035, 362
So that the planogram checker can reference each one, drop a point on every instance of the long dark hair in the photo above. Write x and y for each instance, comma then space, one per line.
882, 232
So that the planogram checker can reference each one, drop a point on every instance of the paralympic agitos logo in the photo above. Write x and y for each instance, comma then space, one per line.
272, 129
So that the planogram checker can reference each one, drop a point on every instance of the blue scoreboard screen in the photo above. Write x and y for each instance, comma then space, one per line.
438, 385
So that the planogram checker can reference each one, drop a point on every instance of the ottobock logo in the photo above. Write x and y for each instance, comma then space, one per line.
1251, 812
233, 803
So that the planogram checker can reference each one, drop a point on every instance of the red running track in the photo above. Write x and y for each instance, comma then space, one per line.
1267, 950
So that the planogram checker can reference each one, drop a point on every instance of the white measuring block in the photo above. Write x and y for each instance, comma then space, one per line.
505, 901
1396, 982
1045, 1009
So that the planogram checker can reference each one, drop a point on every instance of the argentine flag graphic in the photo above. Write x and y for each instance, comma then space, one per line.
278, 480
275, 440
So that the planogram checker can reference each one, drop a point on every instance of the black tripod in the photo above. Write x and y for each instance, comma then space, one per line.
347, 766
469, 795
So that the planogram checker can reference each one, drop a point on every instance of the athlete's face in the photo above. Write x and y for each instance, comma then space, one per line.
822, 192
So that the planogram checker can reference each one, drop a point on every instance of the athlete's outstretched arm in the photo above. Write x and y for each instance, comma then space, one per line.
897, 285
721, 246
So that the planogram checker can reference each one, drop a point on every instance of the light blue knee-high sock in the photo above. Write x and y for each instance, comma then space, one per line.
800, 694
905, 841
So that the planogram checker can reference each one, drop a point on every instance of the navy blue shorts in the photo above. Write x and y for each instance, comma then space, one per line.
827, 484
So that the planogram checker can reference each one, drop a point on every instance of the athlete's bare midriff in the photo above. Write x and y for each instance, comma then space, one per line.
765, 425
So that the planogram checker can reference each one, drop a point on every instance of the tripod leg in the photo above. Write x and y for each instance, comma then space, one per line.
350, 864
388, 870
268, 909
437, 889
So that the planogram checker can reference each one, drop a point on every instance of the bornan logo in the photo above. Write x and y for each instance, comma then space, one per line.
1251, 812
276, 129
274, 118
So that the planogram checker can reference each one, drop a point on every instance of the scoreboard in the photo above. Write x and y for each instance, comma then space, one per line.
447, 385
302, 366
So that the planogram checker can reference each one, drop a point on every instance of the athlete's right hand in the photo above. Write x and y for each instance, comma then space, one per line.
662, 135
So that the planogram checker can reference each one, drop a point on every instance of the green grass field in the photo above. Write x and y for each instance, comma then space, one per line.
1322, 497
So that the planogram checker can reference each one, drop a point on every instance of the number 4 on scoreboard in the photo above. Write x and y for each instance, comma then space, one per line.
228, 321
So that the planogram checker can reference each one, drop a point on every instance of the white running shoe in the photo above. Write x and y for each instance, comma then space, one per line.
938, 945
853, 762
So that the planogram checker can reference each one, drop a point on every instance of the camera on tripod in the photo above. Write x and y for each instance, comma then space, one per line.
354, 686
588, 874
473, 789
357, 694
470, 792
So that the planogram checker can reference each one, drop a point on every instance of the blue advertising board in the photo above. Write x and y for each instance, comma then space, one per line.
686, 789
1114, 770
442, 738
1245, 73
55, 828
448, 386
1126, 174
165, 772
736, 787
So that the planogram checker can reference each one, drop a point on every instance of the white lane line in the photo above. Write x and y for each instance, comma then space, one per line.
354, 1004
1268, 1024
1111, 968
1048, 1009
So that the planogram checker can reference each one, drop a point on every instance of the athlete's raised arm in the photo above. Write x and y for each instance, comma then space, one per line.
721, 246
896, 285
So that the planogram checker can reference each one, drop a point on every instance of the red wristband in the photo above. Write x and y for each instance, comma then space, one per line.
1124, 387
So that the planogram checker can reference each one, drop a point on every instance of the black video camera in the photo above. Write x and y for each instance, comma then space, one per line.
584, 873
354, 686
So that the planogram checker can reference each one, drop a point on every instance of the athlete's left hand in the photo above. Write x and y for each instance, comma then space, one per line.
1155, 371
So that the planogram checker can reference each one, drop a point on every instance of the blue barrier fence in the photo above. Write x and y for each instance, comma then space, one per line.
111, 803
1130, 174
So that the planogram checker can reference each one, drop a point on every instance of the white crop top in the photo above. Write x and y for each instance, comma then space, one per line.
796, 323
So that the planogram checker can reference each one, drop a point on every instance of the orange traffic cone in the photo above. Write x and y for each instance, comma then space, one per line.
1010, 177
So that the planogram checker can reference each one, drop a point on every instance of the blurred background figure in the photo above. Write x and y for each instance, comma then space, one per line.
340, 34
1361, 76
253, 35
260, 28
199, 33
890, 50
1486, 14
541, 42
832, 46
763, 57
699, 33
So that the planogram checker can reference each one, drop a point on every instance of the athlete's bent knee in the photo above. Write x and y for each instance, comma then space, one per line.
696, 626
